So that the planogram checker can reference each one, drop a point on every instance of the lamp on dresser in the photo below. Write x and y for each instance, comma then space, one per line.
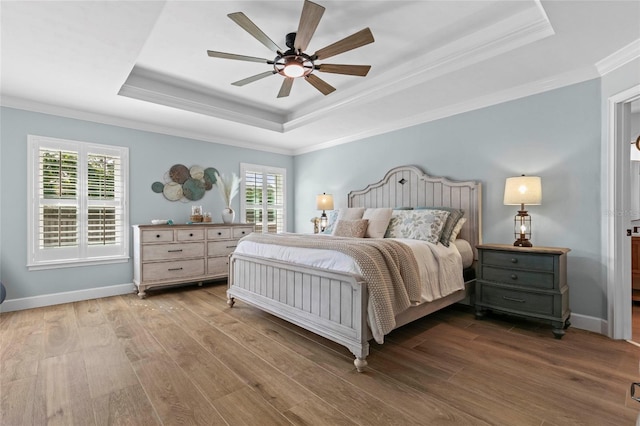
324, 202
521, 190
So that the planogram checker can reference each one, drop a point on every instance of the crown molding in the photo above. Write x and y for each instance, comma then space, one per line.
60, 111
619, 58
522, 91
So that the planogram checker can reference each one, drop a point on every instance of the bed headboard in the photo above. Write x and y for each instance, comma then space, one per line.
408, 186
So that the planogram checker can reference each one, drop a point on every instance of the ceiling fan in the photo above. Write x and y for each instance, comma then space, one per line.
294, 62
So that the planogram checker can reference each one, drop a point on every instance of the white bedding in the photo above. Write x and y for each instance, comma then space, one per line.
440, 267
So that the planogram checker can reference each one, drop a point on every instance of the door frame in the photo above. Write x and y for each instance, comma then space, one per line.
615, 239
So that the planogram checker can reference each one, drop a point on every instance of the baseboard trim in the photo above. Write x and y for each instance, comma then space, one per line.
10, 305
588, 323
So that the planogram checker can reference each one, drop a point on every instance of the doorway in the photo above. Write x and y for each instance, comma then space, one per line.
617, 192
634, 197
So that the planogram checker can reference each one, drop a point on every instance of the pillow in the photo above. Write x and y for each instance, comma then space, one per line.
454, 217
378, 221
424, 225
456, 230
351, 228
332, 217
351, 213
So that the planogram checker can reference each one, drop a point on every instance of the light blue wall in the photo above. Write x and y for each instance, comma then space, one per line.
555, 135
150, 156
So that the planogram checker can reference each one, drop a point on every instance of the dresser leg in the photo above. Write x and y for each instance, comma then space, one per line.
558, 329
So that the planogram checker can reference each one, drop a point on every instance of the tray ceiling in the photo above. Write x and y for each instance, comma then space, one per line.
144, 64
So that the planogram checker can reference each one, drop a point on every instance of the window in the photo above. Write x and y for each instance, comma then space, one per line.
78, 203
263, 197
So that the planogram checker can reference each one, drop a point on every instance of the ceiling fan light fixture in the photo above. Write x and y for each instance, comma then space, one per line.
291, 65
293, 69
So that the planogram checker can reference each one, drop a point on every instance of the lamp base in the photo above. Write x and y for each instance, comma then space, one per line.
522, 242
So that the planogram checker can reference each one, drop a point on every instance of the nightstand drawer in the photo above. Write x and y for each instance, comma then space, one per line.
518, 260
517, 277
523, 302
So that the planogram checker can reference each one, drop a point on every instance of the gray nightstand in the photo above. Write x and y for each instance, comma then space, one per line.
525, 281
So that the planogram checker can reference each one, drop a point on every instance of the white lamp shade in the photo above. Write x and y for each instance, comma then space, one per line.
523, 190
324, 202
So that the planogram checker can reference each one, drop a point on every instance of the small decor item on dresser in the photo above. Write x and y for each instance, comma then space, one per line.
206, 217
196, 214
228, 187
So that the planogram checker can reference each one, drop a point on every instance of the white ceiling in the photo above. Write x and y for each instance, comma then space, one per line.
143, 64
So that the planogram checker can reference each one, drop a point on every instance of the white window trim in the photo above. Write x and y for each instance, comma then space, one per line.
82, 255
263, 169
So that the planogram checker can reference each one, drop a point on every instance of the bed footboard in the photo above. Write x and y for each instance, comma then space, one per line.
330, 304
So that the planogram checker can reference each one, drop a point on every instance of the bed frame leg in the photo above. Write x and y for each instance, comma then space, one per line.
360, 364
231, 301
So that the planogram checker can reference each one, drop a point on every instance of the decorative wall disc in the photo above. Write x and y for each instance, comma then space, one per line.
196, 172
172, 191
193, 189
179, 173
157, 187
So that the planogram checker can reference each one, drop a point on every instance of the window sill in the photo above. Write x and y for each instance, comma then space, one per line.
76, 263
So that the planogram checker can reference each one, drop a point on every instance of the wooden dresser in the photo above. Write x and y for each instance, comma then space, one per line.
165, 255
525, 281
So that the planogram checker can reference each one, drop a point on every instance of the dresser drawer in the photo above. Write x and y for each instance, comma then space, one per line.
159, 236
190, 234
221, 248
173, 270
513, 276
218, 266
239, 232
172, 251
518, 260
219, 234
523, 302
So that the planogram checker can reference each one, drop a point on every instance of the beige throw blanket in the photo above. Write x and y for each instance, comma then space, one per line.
388, 267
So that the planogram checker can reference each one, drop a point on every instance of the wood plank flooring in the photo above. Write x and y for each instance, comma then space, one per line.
182, 357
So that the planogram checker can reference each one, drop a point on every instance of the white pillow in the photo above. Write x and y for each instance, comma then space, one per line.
424, 225
378, 221
456, 229
351, 213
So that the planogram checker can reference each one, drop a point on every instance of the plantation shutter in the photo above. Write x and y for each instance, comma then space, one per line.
263, 197
78, 193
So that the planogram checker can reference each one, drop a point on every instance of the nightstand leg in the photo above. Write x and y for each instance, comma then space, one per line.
567, 323
480, 313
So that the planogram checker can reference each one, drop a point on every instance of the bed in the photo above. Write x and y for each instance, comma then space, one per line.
335, 302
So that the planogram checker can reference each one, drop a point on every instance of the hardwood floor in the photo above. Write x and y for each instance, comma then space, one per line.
181, 356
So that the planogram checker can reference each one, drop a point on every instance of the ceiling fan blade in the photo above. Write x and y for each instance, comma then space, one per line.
353, 41
309, 20
359, 70
253, 78
324, 87
224, 55
248, 25
285, 89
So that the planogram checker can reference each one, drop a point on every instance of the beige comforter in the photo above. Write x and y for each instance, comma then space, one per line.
388, 267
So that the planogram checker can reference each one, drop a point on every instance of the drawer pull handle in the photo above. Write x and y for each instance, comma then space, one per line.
158, 236
514, 277
175, 269
514, 260
242, 232
191, 235
513, 299
232, 246
219, 233
174, 251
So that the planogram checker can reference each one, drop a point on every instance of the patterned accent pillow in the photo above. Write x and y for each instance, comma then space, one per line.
424, 225
351, 228
332, 217
454, 216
